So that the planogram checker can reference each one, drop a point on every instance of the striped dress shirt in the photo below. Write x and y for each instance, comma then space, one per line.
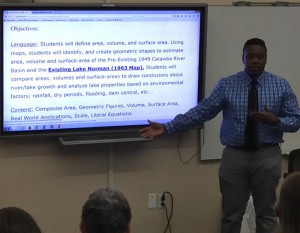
230, 96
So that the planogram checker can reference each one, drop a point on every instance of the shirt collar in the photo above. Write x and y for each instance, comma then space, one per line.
259, 78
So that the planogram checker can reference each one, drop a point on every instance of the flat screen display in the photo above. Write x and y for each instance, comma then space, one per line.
80, 69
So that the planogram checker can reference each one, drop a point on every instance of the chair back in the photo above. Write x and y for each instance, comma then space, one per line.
294, 161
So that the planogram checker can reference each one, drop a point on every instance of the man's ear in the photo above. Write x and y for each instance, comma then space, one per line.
82, 227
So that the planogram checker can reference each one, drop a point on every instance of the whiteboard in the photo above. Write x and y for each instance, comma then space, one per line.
228, 29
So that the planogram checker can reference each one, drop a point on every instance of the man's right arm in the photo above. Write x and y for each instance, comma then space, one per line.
154, 129
205, 110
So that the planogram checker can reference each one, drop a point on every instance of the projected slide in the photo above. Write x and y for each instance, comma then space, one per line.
93, 68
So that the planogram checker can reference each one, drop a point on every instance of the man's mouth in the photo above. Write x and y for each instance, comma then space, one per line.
255, 68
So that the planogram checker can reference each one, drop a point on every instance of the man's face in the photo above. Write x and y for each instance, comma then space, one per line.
254, 59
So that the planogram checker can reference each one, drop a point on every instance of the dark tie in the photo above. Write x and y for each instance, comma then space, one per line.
250, 136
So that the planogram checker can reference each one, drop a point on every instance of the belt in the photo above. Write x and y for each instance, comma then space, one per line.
259, 147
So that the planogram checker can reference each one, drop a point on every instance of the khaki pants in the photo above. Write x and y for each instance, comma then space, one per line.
244, 172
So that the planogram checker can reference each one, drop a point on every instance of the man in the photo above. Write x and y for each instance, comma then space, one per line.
105, 211
249, 165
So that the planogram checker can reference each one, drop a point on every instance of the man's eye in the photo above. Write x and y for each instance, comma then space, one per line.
255, 56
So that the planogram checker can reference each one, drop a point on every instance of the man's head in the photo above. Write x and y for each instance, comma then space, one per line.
288, 208
254, 57
105, 211
16, 220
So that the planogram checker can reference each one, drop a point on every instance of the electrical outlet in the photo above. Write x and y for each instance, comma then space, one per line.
152, 200
159, 201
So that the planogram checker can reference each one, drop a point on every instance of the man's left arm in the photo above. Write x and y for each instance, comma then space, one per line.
289, 115
288, 119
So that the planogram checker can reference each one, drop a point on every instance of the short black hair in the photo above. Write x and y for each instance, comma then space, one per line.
254, 41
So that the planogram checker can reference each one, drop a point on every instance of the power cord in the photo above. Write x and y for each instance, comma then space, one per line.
197, 153
168, 216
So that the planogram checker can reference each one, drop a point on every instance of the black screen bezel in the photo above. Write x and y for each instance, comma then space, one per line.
102, 130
